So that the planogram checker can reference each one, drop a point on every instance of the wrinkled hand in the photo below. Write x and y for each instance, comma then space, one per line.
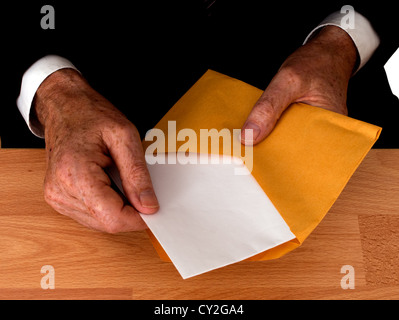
317, 74
84, 134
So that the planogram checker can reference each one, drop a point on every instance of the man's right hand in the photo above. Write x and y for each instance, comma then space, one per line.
85, 134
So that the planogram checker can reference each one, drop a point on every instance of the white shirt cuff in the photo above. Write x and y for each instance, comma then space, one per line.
363, 35
32, 80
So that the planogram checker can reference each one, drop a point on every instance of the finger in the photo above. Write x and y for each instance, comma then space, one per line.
284, 89
126, 150
79, 216
69, 205
105, 205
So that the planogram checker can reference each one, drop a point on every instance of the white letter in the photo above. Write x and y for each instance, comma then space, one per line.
48, 21
215, 135
199, 309
158, 147
47, 281
248, 152
348, 21
186, 147
348, 281
172, 142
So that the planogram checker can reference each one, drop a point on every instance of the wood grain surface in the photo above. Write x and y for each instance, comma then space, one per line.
361, 230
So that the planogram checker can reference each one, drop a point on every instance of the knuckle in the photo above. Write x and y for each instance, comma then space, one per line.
49, 193
124, 129
62, 171
294, 68
139, 170
264, 110
120, 132
291, 79
137, 175
291, 74
55, 199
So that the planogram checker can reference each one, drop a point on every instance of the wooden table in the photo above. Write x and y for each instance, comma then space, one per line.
361, 230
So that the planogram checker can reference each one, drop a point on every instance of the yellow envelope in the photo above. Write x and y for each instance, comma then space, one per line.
302, 166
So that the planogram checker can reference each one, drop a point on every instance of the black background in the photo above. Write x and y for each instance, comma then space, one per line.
144, 56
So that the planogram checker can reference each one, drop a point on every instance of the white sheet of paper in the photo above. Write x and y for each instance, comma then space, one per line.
392, 71
210, 217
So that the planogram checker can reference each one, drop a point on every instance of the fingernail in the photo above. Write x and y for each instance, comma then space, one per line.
250, 138
148, 199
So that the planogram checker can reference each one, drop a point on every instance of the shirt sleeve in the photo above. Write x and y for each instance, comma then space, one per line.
360, 30
31, 81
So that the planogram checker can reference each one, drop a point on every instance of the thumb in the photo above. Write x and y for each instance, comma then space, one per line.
128, 155
259, 124
280, 93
